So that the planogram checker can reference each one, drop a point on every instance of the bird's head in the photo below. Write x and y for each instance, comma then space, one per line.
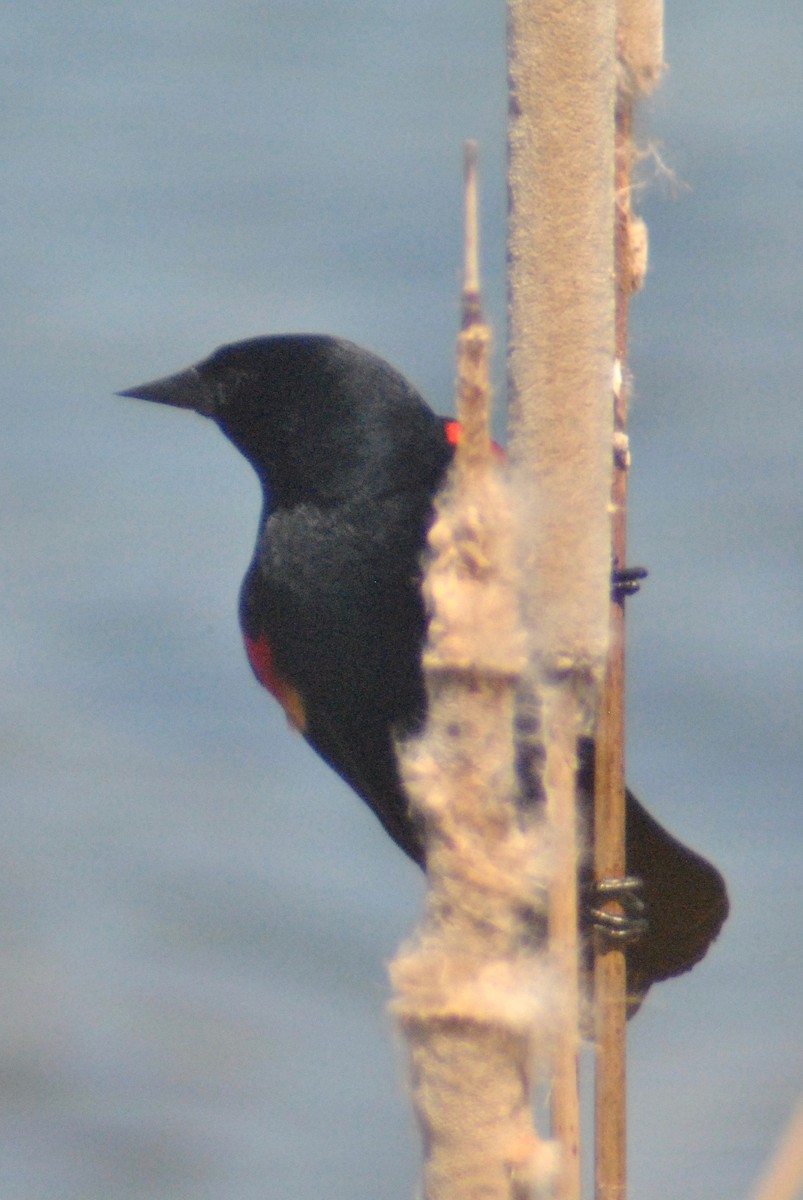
316, 416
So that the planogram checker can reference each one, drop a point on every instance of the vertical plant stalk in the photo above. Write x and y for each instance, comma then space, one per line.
640, 52
783, 1176
561, 65
473, 993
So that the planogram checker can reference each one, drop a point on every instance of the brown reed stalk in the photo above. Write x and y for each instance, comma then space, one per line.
640, 55
783, 1175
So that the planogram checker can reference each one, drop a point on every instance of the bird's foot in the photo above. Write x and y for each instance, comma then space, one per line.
630, 923
626, 581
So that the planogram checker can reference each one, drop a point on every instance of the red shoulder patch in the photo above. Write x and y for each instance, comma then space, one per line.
260, 656
453, 431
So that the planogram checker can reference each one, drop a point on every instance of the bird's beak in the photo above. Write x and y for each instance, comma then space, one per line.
184, 390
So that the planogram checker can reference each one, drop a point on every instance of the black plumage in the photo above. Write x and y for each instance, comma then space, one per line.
350, 457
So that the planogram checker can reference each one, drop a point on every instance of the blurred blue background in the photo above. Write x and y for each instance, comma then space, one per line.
195, 913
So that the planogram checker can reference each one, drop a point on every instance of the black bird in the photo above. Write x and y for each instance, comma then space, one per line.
349, 457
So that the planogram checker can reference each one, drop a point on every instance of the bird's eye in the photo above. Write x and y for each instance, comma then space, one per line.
221, 395
238, 380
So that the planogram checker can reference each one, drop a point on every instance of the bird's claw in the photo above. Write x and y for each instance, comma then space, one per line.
627, 925
626, 581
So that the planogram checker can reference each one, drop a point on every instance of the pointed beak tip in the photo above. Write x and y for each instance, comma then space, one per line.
184, 390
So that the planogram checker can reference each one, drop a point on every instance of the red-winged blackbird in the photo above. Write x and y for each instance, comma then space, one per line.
350, 457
